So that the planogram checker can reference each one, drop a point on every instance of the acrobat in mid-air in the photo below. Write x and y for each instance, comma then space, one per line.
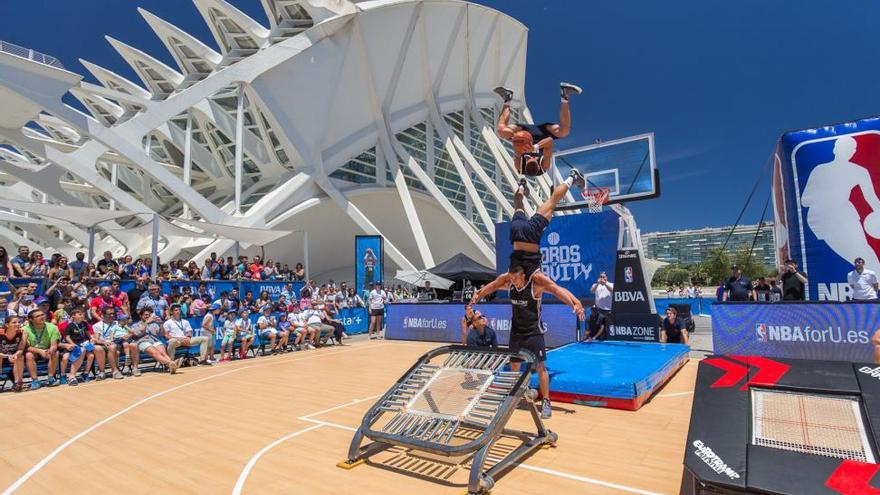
533, 143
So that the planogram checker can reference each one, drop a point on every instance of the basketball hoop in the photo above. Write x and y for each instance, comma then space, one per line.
596, 197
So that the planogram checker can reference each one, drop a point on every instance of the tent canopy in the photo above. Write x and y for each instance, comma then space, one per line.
460, 267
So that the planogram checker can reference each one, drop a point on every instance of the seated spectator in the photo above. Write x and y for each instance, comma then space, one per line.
281, 305
197, 307
250, 303
44, 305
284, 328
78, 267
117, 293
428, 293
209, 327
256, 268
60, 269
299, 272
245, 330
13, 344
672, 330
353, 300
6, 268
234, 301
144, 334
5, 312
230, 332
38, 266
23, 302
21, 263
127, 269
75, 347
299, 326
268, 328
481, 335
179, 333
110, 338
316, 320
154, 301
107, 264
43, 339
597, 324
263, 300
104, 299
338, 328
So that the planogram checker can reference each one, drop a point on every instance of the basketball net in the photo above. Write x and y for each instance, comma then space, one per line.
596, 198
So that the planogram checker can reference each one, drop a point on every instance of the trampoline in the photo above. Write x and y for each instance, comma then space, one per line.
618, 375
454, 402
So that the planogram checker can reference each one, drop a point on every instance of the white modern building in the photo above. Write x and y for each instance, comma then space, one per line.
339, 118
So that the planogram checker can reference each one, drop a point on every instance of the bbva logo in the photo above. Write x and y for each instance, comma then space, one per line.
628, 296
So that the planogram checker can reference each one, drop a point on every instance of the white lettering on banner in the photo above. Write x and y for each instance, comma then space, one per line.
875, 372
424, 323
626, 256
834, 292
834, 335
634, 331
713, 461
628, 296
563, 263
271, 289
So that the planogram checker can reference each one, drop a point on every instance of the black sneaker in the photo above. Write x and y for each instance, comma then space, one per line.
566, 90
505, 93
578, 178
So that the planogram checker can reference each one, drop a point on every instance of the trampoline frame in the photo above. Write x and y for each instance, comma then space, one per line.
507, 390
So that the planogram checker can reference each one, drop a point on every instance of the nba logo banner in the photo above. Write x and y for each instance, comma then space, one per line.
826, 197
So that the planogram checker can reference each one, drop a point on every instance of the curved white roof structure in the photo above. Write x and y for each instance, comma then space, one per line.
339, 119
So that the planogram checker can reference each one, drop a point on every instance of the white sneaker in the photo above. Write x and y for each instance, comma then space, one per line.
546, 410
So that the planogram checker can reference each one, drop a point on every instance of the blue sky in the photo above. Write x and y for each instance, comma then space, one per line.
717, 82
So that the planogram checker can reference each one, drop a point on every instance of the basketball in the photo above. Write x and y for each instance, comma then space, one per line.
872, 224
522, 142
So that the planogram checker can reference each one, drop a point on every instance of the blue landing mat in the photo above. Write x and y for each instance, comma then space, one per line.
620, 375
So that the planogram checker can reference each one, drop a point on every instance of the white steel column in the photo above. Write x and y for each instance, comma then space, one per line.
187, 159
114, 179
154, 247
239, 131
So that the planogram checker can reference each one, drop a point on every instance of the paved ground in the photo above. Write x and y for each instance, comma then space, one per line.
701, 340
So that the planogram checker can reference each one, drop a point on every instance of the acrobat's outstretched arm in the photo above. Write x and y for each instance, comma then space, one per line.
503, 280
561, 293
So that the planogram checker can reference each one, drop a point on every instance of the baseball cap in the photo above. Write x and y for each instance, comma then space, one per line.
41, 300
230, 310
214, 307
242, 311
266, 308
122, 316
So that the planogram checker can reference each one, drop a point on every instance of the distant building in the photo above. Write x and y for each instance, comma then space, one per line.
689, 247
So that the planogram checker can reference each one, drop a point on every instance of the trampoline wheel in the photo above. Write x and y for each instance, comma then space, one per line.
487, 483
552, 437
532, 394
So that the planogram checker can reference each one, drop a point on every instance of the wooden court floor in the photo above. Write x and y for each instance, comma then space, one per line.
279, 425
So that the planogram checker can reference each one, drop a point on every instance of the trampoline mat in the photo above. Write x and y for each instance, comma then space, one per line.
824, 425
450, 394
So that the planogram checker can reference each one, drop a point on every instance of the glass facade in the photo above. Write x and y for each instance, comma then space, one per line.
690, 247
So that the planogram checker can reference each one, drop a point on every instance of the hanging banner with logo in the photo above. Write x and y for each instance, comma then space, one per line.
442, 322
632, 317
574, 249
826, 201
829, 331
355, 320
368, 261
273, 287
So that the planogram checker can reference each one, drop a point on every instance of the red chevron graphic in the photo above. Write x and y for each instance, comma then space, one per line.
768, 371
853, 478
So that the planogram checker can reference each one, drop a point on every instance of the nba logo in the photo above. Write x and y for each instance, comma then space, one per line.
628, 274
761, 332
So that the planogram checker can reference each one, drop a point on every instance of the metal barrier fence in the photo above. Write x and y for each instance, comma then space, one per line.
20, 51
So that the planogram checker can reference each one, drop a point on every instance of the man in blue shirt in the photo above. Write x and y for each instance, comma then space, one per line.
481, 334
21, 262
78, 266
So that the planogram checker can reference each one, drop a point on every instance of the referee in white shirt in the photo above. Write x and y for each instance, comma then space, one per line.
603, 290
863, 282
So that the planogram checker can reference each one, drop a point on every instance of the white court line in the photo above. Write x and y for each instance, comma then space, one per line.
40, 465
353, 402
250, 465
325, 423
676, 394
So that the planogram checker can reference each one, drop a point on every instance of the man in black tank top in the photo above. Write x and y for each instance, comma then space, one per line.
527, 329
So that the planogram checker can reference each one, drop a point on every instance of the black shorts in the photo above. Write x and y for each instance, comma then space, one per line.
531, 262
525, 229
377, 312
538, 131
533, 343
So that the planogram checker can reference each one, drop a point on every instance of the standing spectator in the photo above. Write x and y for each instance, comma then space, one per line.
299, 272
603, 290
353, 300
43, 339
762, 290
305, 294
234, 301
427, 294
144, 334
117, 293
208, 269
863, 282
13, 344
134, 296
179, 333
21, 263
209, 327
691, 291
128, 269
107, 264
738, 287
109, 338
468, 293
792, 281
597, 325
481, 335
78, 267
377, 299
775, 291
6, 269
672, 330
74, 348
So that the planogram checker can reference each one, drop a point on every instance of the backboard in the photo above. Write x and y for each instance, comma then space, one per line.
626, 166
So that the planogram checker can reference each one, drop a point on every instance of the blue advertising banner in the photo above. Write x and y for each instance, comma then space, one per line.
23, 282
214, 287
369, 262
355, 320
575, 249
829, 331
826, 183
274, 287
442, 322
